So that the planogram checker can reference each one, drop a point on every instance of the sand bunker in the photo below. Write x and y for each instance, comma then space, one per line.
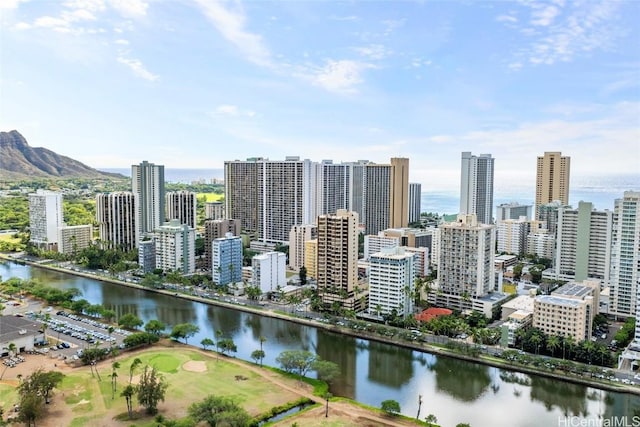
195, 366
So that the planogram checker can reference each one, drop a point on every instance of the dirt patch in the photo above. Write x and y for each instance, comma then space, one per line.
195, 366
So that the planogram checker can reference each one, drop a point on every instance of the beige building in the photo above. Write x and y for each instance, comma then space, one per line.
337, 260
311, 257
73, 238
512, 235
568, 311
466, 266
399, 197
552, 178
298, 236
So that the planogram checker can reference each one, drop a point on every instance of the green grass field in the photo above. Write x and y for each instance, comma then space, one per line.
210, 197
86, 400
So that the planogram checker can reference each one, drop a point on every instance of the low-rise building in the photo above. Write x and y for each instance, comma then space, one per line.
23, 333
519, 319
568, 311
74, 238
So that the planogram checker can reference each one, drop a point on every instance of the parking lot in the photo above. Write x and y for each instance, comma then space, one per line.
70, 334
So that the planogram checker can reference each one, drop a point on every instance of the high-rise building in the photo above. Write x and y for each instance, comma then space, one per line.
337, 265
181, 205
399, 193
298, 236
541, 244
175, 247
512, 235
74, 238
392, 274
513, 211
377, 196
583, 244
466, 265
226, 260
476, 186
548, 215
45, 217
269, 197
147, 182
216, 229
311, 257
332, 187
625, 258
415, 202
269, 271
117, 217
552, 178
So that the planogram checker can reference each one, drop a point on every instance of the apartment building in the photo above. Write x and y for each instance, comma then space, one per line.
216, 229
45, 217
74, 238
269, 271
147, 182
175, 246
476, 186
552, 178
298, 236
226, 260
181, 205
568, 311
392, 275
117, 216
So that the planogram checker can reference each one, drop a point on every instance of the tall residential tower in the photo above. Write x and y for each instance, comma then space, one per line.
147, 182
552, 178
476, 186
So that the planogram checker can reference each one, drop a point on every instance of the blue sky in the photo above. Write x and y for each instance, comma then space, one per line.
193, 83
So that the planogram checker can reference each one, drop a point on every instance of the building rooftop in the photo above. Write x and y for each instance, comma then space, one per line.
573, 290
12, 328
520, 315
523, 303
558, 300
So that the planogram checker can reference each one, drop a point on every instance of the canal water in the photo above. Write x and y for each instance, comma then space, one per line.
455, 391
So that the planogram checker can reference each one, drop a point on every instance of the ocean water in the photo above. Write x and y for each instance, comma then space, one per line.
601, 191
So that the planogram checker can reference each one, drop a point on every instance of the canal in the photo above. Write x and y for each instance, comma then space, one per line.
455, 391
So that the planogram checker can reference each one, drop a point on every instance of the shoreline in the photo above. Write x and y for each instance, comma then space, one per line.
422, 347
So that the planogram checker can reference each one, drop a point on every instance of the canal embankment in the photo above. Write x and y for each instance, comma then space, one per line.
363, 334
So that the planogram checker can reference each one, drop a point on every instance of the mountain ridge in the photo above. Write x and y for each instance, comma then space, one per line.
18, 160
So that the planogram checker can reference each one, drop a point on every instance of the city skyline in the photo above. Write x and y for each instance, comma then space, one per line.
173, 82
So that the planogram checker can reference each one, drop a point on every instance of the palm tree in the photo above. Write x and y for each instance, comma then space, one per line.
553, 343
262, 341
114, 378
570, 342
128, 393
136, 362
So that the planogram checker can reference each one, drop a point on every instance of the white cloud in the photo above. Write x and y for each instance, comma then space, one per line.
22, 26
11, 4
340, 76
507, 18
374, 52
130, 8
559, 33
50, 22
232, 110
544, 16
122, 42
138, 68
231, 25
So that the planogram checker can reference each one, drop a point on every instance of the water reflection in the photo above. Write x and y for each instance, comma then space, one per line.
463, 380
392, 366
